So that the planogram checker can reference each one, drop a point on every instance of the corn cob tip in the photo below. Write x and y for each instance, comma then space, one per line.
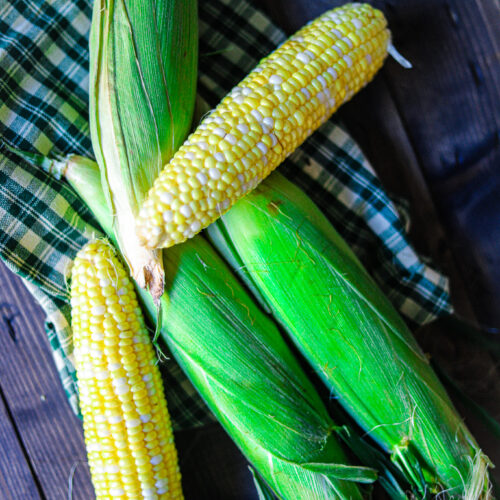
126, 423
263, 120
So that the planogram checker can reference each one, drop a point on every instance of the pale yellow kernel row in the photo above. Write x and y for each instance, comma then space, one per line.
262, 121
127, 428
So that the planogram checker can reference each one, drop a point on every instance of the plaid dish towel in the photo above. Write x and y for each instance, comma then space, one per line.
44, 108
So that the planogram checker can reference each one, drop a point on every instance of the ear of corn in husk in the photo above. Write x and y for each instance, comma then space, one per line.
353, 337
262, 120
250, 380
143, 68
239, 363
127, 427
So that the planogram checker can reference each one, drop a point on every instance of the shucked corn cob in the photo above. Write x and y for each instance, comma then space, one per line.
129, 439
271, 112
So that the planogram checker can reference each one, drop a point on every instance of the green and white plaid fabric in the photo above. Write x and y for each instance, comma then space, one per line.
44, 108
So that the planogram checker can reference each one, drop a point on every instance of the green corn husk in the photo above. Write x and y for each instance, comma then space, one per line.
238, 362
250, 380
143, 69
353, 337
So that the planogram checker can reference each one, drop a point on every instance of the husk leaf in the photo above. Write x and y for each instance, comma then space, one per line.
143, 68
351, 334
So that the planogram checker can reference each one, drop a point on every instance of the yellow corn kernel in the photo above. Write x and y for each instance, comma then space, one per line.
288, 96
128, 457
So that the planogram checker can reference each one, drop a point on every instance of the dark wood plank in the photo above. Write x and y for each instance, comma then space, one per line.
476, 371
16, 478
51, 435
449, 102
450, 109
212, 467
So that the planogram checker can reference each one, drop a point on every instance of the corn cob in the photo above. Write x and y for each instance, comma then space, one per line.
127, 428
271, 112
143, 62
353, 337
238, 361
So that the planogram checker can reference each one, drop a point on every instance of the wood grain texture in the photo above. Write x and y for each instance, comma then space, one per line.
16, 478
50, 433
450, 110
212, 467
474, 368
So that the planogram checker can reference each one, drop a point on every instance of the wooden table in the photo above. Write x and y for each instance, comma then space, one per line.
432, 134
41, 439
